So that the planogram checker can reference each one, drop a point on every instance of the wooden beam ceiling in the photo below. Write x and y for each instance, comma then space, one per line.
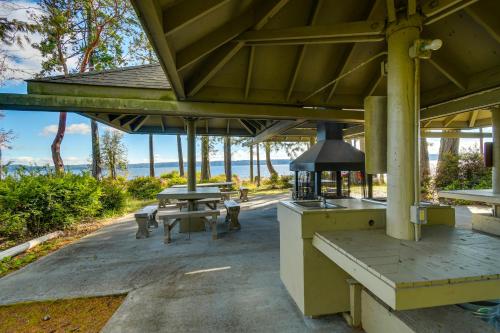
226, 52
302, 50
186, 12
153, 26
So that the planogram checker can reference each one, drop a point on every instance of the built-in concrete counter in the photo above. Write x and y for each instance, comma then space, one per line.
316, 284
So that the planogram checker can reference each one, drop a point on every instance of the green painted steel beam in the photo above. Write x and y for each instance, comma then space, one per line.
173, 108
351, 31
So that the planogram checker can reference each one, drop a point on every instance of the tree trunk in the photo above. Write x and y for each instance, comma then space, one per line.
251, 163
258, 165
179, 153
56, 144
151, 157
448, 146
270, 167
205, 159
425, 170
96, 151
227, 159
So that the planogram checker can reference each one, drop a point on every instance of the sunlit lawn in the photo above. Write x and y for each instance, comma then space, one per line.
73, 315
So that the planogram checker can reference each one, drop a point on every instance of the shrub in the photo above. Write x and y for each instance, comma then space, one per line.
447, 171
114, 196
173, 178
144, 187
36, 203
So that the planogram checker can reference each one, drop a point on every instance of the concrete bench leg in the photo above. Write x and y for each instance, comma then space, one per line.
167, 229
142, 228
232, 217
152, 223
213, 225
244, 195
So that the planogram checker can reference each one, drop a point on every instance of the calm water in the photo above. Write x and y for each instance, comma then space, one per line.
243, 171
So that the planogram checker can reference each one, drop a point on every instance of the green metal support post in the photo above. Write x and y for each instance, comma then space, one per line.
191, 156
401, 126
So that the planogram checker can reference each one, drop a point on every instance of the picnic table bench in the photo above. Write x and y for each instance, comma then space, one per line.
170, 219
145, 218
233, 210
243, 193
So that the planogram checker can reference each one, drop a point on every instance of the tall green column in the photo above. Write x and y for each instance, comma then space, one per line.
191, 155
495, 122
401, 126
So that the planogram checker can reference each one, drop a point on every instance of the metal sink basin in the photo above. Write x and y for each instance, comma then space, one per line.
316, 204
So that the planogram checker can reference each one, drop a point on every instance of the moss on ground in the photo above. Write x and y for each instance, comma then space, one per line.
74, 315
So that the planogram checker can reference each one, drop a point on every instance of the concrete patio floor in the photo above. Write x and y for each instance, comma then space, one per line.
231, 284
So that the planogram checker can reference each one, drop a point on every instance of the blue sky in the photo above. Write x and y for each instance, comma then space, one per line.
34, 133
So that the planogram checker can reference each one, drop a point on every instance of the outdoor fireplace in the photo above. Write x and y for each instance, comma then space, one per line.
328, 167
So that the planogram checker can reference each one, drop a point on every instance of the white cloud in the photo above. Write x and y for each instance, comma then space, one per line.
80, 128
23, 61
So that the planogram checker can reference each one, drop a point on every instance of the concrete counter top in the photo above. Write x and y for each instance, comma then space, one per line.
348, 204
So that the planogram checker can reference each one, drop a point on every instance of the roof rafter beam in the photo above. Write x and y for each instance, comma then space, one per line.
302, 51
129, 120
135, 127
448, 120
186, 12
473, 118
474, 101
452, 74
435, 10
248, 81
487, 20
153, 27
219, 40
276, 129
350, 30
247, 126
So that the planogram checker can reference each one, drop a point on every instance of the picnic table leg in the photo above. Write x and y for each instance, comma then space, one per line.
233, 213
142, 227
166, 230
213, 222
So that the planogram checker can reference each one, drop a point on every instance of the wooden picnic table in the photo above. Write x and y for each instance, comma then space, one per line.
182, 193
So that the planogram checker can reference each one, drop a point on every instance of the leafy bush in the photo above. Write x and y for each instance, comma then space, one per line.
36, 203
277, 182
114, 196
173, 178
144, 187
465, 171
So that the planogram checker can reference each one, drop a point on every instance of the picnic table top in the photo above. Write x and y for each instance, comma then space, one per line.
182, 193
219, 184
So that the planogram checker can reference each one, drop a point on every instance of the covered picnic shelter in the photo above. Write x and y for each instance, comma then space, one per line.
270, 69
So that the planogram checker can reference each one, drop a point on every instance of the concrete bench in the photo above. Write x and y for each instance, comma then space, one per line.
170, 219
233, 210
145, 218
243, 194
209, 202
226, 195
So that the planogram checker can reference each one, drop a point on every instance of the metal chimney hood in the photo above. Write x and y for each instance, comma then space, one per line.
330, 153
